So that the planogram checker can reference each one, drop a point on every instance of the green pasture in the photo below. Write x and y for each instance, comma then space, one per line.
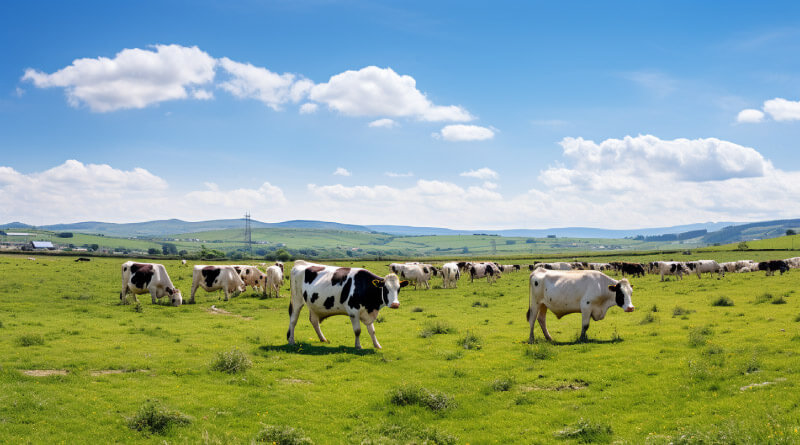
685, 367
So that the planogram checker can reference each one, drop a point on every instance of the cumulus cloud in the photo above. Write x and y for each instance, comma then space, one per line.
481, 173
341, 171
782, 109
460, 133
750, 116
374, 91
238, 199
308, 108
383, 123
274, 90
134, 78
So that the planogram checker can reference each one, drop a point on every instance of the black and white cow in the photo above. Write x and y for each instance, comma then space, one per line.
674, 268
589, 292
212, 278
331, 290
705, 266
480, 270
140, 278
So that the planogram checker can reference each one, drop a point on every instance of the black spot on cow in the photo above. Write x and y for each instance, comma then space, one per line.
673, 268
530, 267
346, 290
314, 297
620, 297
305, 296
290, 308
528, 315
125, 268
365, 293
237, 269
141, 274
425, 269
535, 282
210, 273
329, 303
339, 275
311, 273
385, 295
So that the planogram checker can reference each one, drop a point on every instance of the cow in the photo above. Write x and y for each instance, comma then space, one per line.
140, 278
183, 262
212, 278
729, 267
464, 266
589, 292
279, 264
793, 263
419, 274
332, 290
633, 269
506, 268
705, 266
673, 268
450, 275
274, 280
253, 277
481, 270
599, 266
771, 266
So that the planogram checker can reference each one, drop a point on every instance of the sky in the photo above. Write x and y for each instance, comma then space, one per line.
467, 115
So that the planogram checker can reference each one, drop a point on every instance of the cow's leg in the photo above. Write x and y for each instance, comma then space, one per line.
586, 317
123, 293
541, 317
314, 319
371, 330
356, 329
194, 289
294, 315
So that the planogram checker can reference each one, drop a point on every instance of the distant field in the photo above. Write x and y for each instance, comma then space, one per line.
782, 242
679, 369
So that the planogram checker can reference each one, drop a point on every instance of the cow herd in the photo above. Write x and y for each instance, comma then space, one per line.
560, 287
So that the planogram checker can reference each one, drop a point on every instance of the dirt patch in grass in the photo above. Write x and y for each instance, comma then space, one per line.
114, 371
43, 372
217, 311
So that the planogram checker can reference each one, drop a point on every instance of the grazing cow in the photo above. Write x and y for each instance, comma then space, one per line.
274, 280
673, 268
450, 275
183, 262
279, 264
463, 266
331, 290
771, 266
253, 277
212, 278
481, 270
419, 274
506, 268
730, 266
140, 278
705, 266
589, 292
599, 266
794, 263
579, 265
633, 269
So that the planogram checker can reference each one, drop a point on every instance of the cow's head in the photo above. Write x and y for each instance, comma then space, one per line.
175, 297
390, 288
623, 290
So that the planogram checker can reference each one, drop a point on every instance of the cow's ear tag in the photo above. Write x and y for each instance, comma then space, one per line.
376, 283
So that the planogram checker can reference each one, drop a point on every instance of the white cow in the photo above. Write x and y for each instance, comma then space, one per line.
705, 266
332, 290
274, 280
673, 268
140, 278
212, 278
252, 276
419, 274
589, 292
450, 275
553, 266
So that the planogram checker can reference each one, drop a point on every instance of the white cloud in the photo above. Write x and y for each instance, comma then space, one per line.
373, 91
460, 133
659, 84
383, 123
750, 116
238, 199
399, 175
19, 92
341, 171
308, 108
274, 90
490, 185
782, 109
481, 173
134, 78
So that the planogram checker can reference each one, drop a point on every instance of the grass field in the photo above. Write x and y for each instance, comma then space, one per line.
685, 367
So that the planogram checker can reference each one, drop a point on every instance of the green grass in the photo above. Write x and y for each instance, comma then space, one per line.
676, 379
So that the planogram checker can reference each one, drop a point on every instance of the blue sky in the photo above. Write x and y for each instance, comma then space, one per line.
455, 114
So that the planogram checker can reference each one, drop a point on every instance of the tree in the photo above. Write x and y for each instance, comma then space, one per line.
743, 246
65, 235
152, 251
790, 232
169, 249
282, 255
94, 247
183, 253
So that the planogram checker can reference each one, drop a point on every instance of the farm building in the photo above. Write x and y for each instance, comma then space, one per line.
42, 245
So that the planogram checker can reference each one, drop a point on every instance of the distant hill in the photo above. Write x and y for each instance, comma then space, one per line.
16, 225
752, 231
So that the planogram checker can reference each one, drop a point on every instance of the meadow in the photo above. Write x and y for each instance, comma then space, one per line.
700, 361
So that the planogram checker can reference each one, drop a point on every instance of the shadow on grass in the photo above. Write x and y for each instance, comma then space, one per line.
309, 349
592, 341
